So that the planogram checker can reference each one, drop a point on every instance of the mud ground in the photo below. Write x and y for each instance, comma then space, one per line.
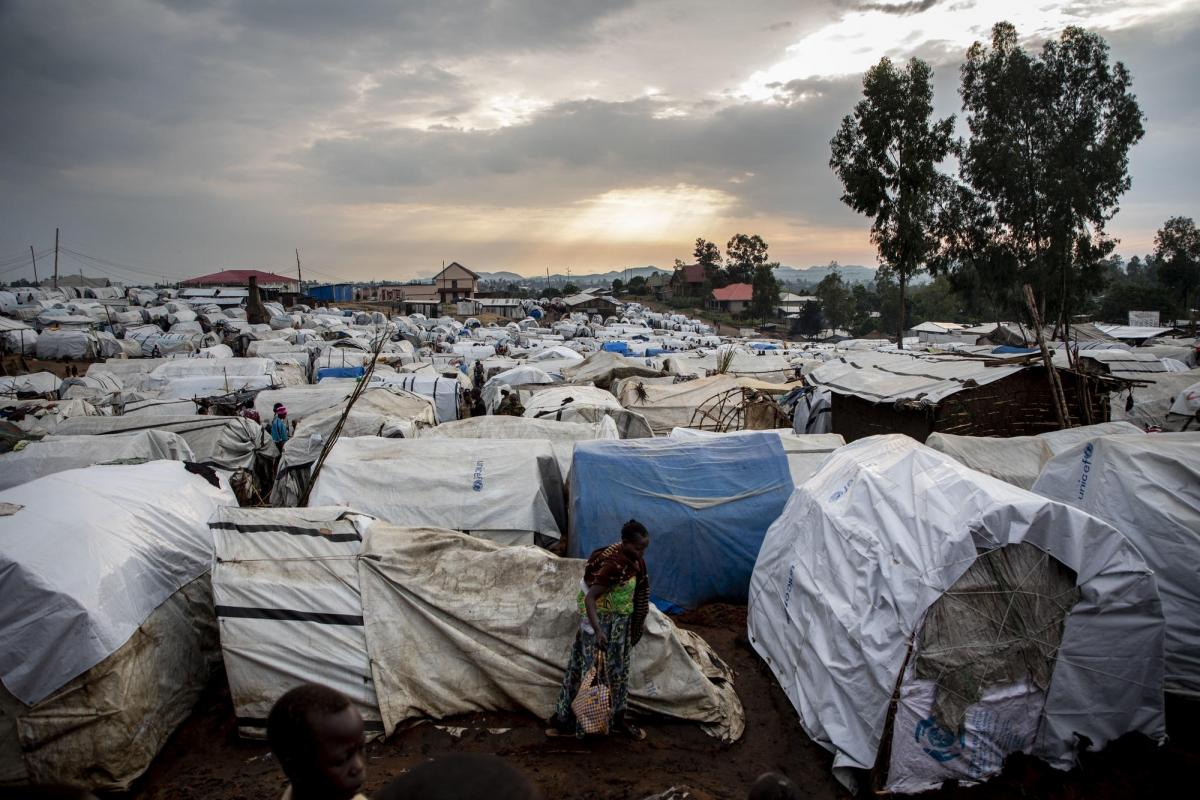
207, 759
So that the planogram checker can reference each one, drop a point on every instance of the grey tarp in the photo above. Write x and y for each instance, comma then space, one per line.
508, 491
228, 442
58, 453
602, 368
456, 625
562, 436
1019, 459
1147, 487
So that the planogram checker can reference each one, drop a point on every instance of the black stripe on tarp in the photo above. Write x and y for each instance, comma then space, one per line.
261, 722
287, 615
291, 530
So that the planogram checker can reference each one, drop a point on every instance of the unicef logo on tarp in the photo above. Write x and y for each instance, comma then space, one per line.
939, 743
477, 482
1086, 468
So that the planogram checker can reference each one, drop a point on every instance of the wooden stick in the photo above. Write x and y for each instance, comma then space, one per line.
1056, 390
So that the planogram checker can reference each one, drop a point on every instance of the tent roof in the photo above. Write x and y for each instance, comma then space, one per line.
237, 277
888, 377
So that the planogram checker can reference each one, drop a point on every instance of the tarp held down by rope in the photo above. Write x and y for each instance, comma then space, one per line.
866, 546
707, 504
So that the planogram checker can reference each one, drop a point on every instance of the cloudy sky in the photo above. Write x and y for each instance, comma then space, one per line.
174, 137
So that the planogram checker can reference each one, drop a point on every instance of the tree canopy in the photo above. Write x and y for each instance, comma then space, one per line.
886, 155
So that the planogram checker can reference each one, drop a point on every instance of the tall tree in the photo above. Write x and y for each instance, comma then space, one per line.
765, 296
743, 254
1048, 155
1177, 249
708, 256
836, 304
886, 154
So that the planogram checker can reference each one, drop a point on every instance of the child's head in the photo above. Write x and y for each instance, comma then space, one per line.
317, 735
281, 412
773, 786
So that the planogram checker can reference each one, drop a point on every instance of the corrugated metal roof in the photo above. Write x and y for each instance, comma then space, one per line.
891, 377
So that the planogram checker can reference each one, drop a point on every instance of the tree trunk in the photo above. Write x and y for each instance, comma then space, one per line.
903, 312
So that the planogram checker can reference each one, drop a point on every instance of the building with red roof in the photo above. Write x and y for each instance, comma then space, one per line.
241, 277
733, 298
688, 280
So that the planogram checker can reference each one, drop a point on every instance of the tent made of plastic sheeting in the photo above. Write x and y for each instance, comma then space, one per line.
430, 597
227, 442
54, 345
390, 413
707, 504
33, 384
60, 453
562, 436
104, 630
602, 368
301, 401
847, 581
805, 453
507, 491
586, 404
522, 375
673, 405
99, 388
1147, 487
286, 592
1152, 404
769, 368
444, 392
1019, 459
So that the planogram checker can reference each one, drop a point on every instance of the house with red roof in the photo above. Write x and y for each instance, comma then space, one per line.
734, 298
241, 277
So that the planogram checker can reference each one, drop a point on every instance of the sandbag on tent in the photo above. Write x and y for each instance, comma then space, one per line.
227, 442
286, 591
104, 631
585, 404
805, 452
846, 583
507, 491
59, 453
562, 436
390, 413
707, 504
1019, 459
497, 624
1148, 488
673, 405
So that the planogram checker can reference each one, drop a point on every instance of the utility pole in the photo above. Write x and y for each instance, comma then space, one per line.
34, 258
56, 258
299, 277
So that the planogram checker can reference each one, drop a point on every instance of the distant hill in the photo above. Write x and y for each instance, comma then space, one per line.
851, 273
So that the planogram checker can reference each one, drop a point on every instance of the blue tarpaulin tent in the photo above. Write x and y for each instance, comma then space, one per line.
706, 503
616, 347
340, 372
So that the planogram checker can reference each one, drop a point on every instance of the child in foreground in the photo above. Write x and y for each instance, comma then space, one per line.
317, 735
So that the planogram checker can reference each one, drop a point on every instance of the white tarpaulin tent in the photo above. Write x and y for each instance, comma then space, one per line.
1019, 459
34, 383
805, 452
286, 591
59, 453
106, 630
444, 392
562, 436
1147, 487
507, 491
865, 548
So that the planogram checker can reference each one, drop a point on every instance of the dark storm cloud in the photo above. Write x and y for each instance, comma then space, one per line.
900, 9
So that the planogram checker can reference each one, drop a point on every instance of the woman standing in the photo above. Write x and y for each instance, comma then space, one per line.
613, 600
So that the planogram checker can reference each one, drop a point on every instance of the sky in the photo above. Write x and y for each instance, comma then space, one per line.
170, 138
